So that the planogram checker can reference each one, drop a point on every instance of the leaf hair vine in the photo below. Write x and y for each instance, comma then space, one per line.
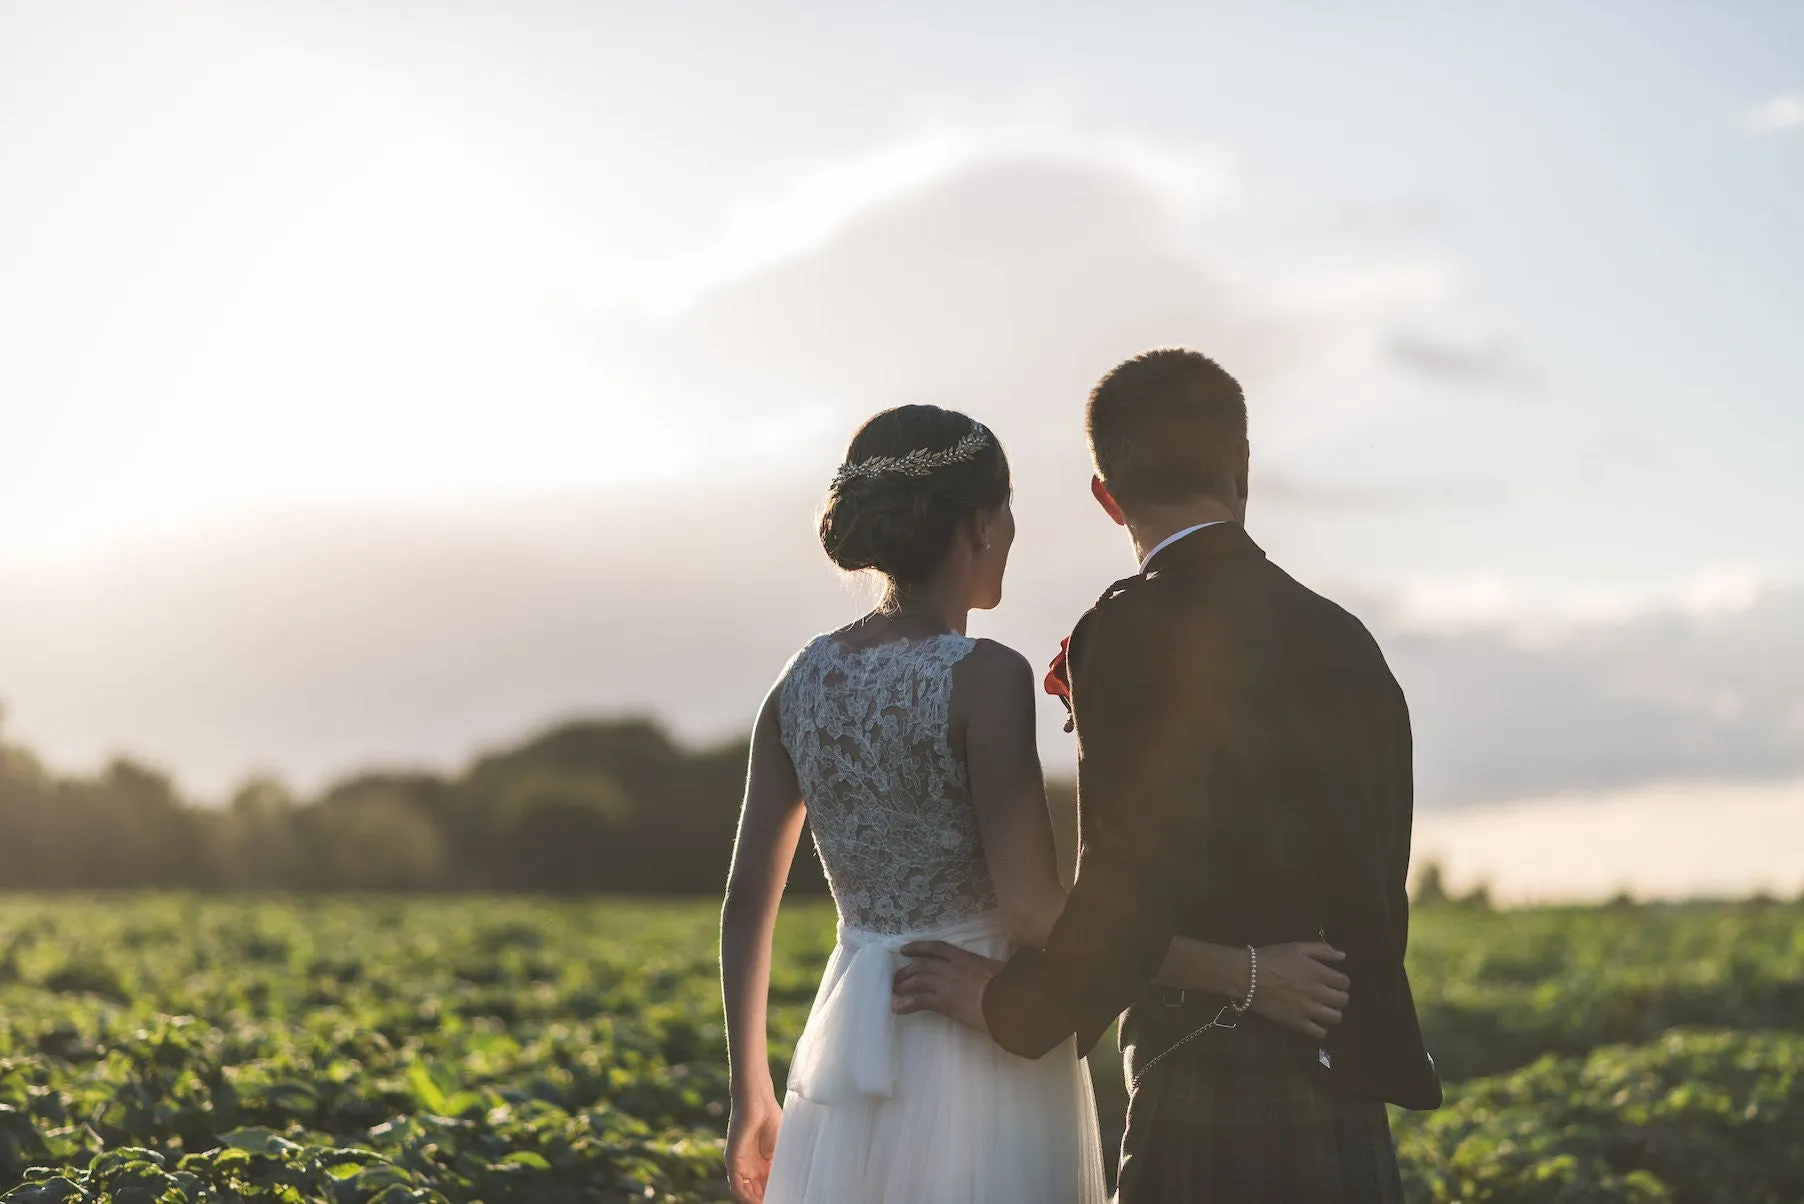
918, 463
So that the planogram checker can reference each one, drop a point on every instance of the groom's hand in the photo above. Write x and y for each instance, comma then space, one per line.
945, 979
1299, 987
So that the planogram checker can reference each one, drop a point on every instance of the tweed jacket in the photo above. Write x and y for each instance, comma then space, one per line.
1244, 777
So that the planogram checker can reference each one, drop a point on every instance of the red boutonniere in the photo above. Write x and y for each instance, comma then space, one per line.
1058, 678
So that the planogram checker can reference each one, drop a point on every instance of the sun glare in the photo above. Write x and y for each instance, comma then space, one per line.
346, 317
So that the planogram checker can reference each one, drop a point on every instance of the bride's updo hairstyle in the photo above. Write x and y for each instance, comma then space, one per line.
912, 476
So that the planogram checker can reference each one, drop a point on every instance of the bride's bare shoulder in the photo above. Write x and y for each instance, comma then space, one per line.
774, 696
996, 670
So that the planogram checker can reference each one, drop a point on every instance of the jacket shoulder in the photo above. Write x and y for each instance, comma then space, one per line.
1340, 629
1127, 600
1325, 611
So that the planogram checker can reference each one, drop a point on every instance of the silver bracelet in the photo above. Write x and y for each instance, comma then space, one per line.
1246, 1005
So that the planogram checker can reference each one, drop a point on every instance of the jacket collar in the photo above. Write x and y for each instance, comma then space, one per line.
1210, 543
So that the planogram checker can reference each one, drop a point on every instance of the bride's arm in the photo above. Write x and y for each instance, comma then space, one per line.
993, 716
994, 708
769, 826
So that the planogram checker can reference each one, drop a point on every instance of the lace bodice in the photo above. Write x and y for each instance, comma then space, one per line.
888, 801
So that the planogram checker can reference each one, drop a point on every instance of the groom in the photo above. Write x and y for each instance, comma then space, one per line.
1244, 777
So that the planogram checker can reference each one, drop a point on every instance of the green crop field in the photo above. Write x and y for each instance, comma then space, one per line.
160, 1049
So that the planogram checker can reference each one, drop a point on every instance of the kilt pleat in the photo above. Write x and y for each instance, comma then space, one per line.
1234, 1118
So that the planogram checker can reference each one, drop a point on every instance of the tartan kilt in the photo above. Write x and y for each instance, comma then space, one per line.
1234, 1118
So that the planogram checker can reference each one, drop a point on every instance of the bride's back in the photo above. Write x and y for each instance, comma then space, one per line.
868, 730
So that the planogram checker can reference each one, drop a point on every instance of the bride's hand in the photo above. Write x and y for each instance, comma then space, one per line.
751, 1141
1299, 988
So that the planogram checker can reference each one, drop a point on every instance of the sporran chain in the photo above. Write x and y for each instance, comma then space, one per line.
1217, 1023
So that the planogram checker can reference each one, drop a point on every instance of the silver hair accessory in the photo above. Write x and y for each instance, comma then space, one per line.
917, 463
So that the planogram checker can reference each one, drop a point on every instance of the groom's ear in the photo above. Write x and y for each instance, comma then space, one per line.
1107, 501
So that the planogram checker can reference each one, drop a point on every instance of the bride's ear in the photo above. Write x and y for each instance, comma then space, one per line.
1107, 501
983, 528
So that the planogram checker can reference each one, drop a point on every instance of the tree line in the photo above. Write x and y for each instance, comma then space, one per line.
584, 807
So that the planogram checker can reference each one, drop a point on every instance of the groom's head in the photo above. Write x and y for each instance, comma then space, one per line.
1168, 432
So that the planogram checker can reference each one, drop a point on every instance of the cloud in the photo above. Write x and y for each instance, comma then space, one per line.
317, 644
1492, 362
1006, 286
1407, 215
1527, 613
1310, 494
809, 211
1776, 114
313, 643
1003, 271
1515, 696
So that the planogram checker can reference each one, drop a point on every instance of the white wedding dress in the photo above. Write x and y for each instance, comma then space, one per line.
886, 1109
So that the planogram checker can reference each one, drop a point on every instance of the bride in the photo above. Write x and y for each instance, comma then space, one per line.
909, 747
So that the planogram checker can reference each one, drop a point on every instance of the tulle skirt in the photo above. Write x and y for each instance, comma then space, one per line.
886, 1109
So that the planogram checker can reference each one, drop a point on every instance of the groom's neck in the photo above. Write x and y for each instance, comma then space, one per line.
1151, 526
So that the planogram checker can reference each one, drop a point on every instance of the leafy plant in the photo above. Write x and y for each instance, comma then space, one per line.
160, 1049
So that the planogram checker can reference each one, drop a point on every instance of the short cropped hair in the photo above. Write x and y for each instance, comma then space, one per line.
1167, 427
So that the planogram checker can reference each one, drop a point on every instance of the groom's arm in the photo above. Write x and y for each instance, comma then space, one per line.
1141, 772
1363, 859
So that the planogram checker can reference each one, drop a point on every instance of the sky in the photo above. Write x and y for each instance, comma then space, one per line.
378, 383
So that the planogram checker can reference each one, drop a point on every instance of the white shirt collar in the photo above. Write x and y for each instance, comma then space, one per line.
1173, 538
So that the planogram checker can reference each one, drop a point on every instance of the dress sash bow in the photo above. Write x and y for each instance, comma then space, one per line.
848, 1048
